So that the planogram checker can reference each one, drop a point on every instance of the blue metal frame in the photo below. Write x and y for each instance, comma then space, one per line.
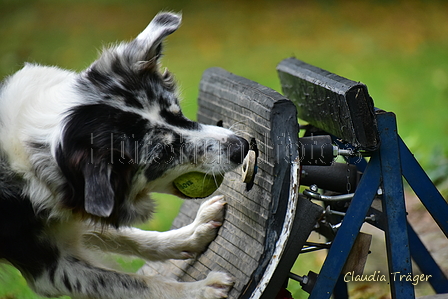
386, 168
346, 236
424, 188
397, 244
426, 263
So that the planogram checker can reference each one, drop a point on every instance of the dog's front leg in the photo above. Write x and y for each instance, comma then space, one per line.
80, 279
182, 243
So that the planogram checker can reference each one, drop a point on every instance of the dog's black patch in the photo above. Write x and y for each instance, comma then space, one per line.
113, 90
102, 282
99, 136
52, 272
166, 19
20, 236
66, 281
178, 120
167, 156
136, 86
117, 129
78, 286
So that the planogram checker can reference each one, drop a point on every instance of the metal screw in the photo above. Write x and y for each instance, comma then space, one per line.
372, 217
379, 191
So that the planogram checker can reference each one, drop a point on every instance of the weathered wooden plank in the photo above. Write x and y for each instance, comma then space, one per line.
232, 104
212, 117
254, 218
340, 106
260, 199
221, 83
234, 256
227, 232
264, 184
253, 229
209, 261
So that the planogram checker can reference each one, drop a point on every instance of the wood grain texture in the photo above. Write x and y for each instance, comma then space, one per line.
254, 218
337, 105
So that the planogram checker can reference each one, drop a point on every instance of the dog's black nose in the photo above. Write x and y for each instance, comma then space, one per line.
238, 148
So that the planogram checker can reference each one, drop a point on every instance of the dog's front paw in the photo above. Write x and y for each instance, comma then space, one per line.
217, 285
210, 212
206, 224
188, 241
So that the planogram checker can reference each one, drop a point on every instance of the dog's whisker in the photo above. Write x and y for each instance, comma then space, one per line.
236, 124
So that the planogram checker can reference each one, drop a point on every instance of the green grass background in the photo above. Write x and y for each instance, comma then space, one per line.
398, 48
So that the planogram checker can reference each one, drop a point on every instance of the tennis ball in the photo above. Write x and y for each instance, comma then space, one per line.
198, 184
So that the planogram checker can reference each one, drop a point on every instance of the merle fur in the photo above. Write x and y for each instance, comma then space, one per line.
105, 144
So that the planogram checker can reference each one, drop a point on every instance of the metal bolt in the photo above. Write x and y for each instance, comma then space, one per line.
305, 279
335, 151
298, 278
372, 217
379, 191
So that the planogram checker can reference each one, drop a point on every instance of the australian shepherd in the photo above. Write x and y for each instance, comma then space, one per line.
80, 154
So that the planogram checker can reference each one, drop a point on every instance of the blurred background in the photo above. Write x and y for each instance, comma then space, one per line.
399, 49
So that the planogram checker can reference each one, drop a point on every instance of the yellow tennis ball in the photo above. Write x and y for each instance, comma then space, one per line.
198, 184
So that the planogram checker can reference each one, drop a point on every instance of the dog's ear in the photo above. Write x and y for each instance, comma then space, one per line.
98, 192
89, 185
141, 55
149, 41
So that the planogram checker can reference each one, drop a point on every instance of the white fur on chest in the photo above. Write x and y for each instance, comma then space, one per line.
33, 103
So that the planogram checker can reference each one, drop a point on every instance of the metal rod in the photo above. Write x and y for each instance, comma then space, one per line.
332, 212
318, 196
310, 249
312, 246
296, 277
321, 245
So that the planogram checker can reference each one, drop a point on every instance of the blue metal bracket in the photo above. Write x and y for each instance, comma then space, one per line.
343, 108
386, 168
424, 188
397, 243
346, 236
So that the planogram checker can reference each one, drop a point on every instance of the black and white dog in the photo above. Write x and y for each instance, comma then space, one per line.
79, 156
